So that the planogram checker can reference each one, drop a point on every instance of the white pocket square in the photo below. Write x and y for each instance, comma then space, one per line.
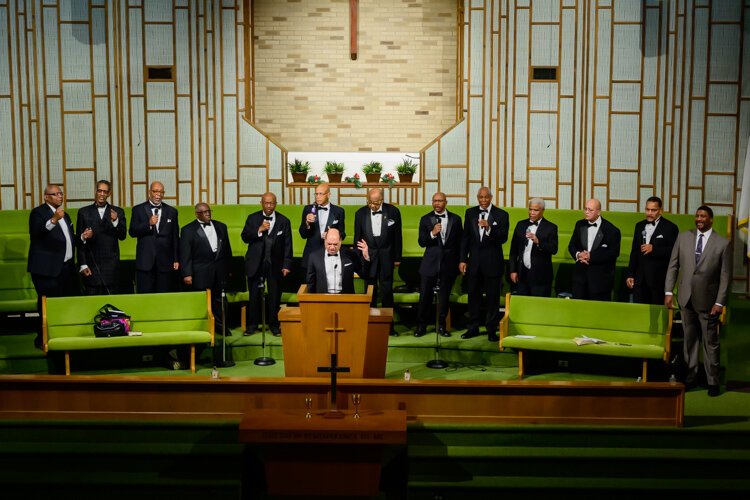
659, 236
279, 233
335, 222
604, 246
348, 264
391, 222
494, 223
169, 220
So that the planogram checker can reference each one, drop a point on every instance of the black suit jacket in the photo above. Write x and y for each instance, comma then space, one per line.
281, 247
155, 250
101, 252
47, 248
351, 262
651, 270
386, 250
485, 256
440, 257
600, 272
541, 254
312, 234
197, 258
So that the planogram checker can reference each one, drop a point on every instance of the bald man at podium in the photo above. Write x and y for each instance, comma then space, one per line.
332, 269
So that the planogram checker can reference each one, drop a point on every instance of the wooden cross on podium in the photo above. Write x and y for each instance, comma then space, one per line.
334, 369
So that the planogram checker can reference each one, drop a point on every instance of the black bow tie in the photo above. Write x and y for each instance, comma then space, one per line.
482, 211
155, 207
532, 223
440, 215
592, 224
266, 217
653, 222
205, 224
333, 255
379, 212
322, 208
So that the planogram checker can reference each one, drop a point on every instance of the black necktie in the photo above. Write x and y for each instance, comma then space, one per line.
699, 249
322, 208
592, 224
265, 217
205, 224
440, 215
379, 212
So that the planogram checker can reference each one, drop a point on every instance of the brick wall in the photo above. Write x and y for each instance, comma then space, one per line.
398, 95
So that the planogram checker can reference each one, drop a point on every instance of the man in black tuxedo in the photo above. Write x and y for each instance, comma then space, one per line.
379, 225
51, 251
485, 230
205, 256
595, 245
653, 240
102, 226
317, 218
440, 235
155, 225
332, 269
531, 249
268, 260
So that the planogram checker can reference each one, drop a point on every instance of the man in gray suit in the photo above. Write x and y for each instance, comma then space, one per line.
703, 259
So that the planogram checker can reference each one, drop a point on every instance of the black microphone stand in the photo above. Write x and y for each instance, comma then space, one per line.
438, 363
263, 360
224, 363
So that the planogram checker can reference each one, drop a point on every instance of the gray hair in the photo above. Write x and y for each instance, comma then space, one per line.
537, 201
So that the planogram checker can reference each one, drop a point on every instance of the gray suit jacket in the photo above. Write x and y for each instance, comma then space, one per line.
706, 283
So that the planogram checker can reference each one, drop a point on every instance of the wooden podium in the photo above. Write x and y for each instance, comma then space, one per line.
335, 323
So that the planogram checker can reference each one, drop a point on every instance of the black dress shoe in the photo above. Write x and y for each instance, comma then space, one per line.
276, 331
713, 390
472, 332
419, 332
38, 341
443, 331
393, 333
492, 337
250, 330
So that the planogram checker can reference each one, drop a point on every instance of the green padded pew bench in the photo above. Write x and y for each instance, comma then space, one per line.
550, 324
165, 319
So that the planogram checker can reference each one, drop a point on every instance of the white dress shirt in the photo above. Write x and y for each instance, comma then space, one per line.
333, 272
68, 237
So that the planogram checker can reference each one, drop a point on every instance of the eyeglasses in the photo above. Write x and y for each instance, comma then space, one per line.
58, 193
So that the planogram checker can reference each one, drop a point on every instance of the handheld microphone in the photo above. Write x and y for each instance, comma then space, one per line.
643, 235
314, 209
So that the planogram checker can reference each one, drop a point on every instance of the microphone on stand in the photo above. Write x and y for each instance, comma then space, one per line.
438, 363
335, 273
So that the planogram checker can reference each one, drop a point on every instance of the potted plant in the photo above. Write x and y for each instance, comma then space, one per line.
354, 180
388, 178
372, 171
406, 170
334, 170
299, 170
314, 179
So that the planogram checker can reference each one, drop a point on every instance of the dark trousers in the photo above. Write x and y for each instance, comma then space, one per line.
526, 287
63, 285
645, 294
581, 289
382, 280
491, 287
153, 281
426, 295
273, 300
699, 334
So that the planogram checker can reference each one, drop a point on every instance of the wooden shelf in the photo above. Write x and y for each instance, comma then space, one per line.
349, 184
